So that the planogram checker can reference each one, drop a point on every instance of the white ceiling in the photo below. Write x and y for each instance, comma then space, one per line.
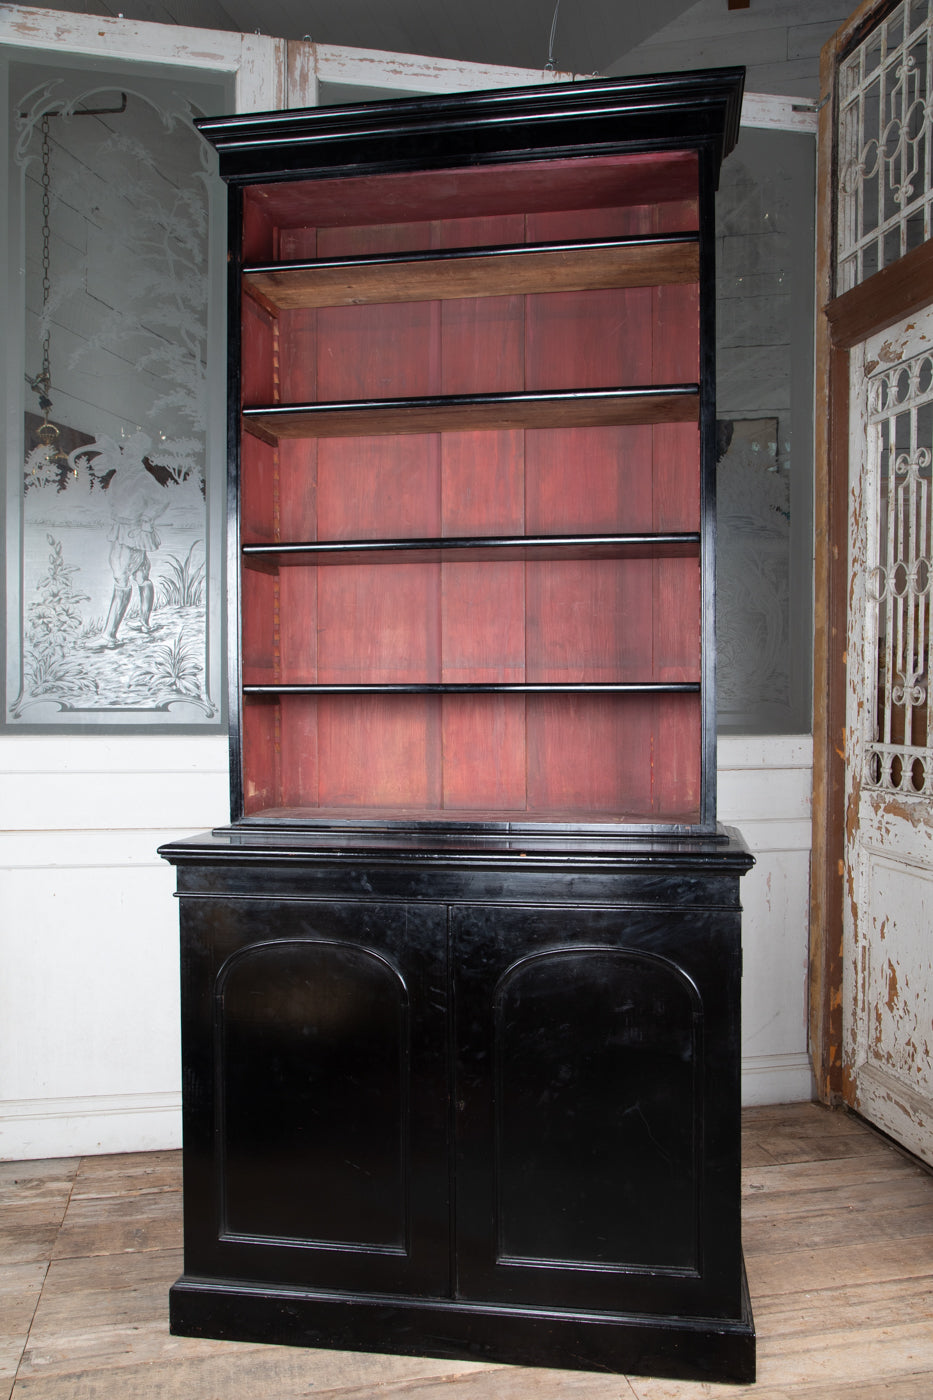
589, 36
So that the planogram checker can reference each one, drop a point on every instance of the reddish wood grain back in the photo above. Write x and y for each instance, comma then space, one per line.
573, 757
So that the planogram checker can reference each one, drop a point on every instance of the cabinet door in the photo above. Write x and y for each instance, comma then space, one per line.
597, 1108
316, 1094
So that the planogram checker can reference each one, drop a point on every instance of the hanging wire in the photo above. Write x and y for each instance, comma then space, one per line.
46, 375
47, 432
45, 378
551, 65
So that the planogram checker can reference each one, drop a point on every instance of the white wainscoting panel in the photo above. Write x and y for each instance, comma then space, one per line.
89, 1056
764, 791
89, 1042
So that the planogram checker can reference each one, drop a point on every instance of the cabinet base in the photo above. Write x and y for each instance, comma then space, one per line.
698, 1349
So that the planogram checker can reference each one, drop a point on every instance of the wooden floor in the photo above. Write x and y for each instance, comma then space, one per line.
838, 1242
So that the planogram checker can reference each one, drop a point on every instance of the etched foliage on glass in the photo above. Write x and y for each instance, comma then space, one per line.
752, 570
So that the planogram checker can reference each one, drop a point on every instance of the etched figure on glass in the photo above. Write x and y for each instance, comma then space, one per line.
136, 501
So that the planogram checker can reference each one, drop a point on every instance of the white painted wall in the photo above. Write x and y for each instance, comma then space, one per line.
764, 791
89, 1058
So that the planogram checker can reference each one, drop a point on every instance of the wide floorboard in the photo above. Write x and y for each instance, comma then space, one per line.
838, 1244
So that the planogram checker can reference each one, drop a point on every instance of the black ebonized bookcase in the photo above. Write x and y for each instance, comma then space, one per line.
461, 977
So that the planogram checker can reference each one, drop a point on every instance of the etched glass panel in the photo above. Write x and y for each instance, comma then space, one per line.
113, 519
900, 416
764, 476
885, 188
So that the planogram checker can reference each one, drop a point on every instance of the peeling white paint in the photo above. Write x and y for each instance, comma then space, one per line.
888, 967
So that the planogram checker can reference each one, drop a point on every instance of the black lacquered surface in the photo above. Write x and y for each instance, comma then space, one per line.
511, 1088
313, 1040
467, 1088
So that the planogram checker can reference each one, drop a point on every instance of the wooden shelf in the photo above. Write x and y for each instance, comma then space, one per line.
475, 826
477, 272
502, 549
500, 377
575, 408
488, 688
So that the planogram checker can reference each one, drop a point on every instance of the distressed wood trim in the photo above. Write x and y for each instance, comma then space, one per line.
882, 300
842, 323
301, 81
135, 40
761, 109
260, 74
827, 886
825, 872
414, 73
255, 61
863, 19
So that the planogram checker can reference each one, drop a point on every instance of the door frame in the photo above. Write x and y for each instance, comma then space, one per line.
843, 322
256, 62
270, 74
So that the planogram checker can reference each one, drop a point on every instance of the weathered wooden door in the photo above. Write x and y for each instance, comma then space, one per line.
871, 989
888, 909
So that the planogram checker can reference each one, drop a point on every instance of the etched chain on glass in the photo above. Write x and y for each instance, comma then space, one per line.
885, 186
900, 415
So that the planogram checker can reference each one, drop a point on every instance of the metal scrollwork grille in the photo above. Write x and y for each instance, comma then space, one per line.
885, 186
900, 574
